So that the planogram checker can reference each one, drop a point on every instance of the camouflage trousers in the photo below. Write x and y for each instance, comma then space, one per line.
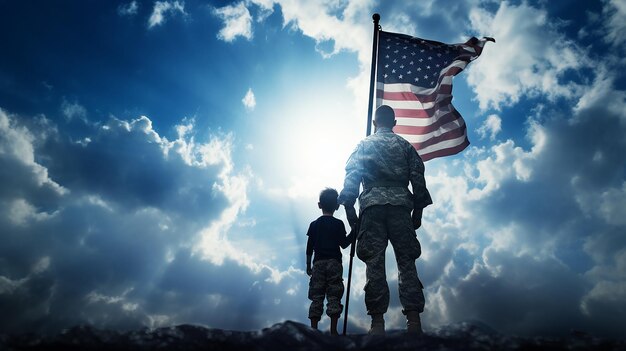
380, 224
326, 281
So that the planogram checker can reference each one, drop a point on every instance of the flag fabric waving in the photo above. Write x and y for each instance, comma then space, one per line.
414, 77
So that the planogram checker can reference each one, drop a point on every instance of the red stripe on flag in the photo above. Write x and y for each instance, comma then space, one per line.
421, 130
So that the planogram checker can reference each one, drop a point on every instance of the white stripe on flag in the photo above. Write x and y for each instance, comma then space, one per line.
445, 144
420, 138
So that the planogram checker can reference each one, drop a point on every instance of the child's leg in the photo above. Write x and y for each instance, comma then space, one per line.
317, 289
334, 292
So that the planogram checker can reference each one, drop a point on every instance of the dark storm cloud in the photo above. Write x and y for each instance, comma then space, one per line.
126, 163
524, 295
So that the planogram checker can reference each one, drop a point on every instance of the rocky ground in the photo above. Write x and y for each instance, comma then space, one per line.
296, 336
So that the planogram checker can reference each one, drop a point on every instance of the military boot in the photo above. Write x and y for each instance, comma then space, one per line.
413, 323
378, 325
333, 325
314, 322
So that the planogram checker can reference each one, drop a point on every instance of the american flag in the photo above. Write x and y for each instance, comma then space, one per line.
414, 77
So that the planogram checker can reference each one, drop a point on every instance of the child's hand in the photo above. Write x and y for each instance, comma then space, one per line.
309, 271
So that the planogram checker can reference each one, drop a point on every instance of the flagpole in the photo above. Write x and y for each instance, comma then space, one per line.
370, 106
376, 18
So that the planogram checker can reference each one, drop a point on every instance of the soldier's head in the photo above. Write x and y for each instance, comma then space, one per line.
328, 200
385, 117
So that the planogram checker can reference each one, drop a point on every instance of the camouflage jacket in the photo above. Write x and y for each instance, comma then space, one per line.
385, 163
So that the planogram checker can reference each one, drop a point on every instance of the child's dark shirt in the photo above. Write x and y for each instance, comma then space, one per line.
326, 234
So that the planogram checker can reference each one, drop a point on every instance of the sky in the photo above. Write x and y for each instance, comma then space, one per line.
160, 162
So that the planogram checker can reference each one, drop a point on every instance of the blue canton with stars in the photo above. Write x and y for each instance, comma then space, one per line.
406, 59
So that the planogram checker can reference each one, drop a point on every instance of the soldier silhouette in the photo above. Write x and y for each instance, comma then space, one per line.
326, 235
385, 163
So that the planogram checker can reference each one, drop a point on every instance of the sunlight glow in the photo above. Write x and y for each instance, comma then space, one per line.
316, 141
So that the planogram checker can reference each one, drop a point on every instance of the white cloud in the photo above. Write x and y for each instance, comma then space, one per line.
319, 21
530, 57
615, 11
237, 22
249, 100
73, 110
20, 213
160, 10
601, 93
128, 9
16, 147
491, 127
507, 160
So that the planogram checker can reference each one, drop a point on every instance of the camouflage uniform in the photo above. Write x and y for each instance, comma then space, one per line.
326, 281
385, 163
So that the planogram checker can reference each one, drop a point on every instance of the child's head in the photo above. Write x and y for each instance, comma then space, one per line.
328, 200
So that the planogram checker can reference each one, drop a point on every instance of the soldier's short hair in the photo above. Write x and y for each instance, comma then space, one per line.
328, 200
385, 116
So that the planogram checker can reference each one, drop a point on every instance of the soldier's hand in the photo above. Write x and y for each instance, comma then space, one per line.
417, 223
417, 219
309, 271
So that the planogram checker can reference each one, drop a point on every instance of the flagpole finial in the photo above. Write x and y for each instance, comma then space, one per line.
376, 18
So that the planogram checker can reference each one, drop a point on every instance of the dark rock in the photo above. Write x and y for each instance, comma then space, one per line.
296, 336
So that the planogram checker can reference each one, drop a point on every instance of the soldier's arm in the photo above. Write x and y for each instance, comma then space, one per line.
421, 196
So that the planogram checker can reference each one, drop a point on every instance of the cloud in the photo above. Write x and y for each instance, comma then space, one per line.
539, 293
237, 22
602, 93
160, 10
336, 24
531, 57
615, 12
20, 212
129, 9
491, 127
25, 182
123, 216
532, 231
249, 101
73, 110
